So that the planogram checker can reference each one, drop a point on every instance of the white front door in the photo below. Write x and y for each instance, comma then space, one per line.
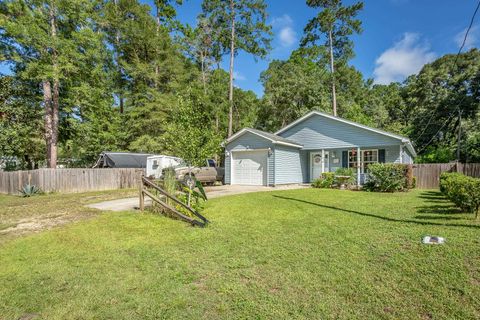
318, 164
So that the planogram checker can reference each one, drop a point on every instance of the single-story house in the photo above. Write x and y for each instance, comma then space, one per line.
301, 151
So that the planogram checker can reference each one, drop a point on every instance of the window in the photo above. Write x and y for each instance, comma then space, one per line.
352, 159
367, 157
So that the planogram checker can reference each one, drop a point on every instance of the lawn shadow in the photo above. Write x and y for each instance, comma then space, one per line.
437, 218
371, 215
433, 196
439, 209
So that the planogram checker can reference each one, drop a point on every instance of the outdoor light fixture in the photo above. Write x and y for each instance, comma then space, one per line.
227, 153
269, 151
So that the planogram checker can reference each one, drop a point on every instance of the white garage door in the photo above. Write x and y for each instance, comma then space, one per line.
249, 167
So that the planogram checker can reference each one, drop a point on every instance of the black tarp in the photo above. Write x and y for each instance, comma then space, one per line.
122, 160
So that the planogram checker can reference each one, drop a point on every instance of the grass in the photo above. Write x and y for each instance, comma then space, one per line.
287, 254
26, 215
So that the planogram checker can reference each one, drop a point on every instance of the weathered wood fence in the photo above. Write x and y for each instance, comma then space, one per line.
70, 180
428, 174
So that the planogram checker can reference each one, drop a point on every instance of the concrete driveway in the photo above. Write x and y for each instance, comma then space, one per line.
212, 192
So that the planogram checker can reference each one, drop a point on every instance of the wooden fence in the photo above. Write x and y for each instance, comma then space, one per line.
428, 174
70, 180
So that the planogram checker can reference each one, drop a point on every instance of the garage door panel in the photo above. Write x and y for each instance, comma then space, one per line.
249, 167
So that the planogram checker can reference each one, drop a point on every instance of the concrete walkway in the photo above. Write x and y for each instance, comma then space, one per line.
212, 192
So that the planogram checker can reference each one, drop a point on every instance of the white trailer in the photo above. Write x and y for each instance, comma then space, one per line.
156, 164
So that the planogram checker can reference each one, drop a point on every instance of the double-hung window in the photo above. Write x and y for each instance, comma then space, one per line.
366, 158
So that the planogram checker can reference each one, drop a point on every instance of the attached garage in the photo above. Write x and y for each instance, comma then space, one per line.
249, 167
250, 157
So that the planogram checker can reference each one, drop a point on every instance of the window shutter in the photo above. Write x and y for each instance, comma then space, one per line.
345, 159
381, 155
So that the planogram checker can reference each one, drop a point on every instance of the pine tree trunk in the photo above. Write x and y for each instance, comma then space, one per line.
332, 69
157, 68
51, 100
117, 62
48, 120
204, 77
232, 56
55, 122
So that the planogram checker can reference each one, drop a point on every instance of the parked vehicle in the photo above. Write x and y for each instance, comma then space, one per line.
156, 164
208, 174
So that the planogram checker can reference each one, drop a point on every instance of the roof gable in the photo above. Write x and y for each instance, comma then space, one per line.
307, 120
265, 135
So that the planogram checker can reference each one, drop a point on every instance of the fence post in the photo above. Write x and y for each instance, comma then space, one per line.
142, 196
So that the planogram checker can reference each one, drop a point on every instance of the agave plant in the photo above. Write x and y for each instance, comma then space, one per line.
29, 190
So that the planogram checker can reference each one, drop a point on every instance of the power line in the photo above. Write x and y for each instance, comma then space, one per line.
466, 33
454, 65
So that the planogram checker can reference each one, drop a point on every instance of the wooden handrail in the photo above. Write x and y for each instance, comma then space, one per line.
177, 201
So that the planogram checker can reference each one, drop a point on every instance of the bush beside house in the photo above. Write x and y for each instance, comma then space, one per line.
389, 177
334, 179
462, 190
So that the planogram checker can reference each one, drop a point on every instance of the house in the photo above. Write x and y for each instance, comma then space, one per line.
122, 160
301, 151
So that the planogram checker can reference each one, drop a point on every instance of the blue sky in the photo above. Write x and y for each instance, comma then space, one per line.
399, 36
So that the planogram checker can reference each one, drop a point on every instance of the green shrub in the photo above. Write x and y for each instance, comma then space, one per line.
386, 177
326, 180
463, 191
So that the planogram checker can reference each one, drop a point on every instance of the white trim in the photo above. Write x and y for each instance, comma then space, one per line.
323, 160
401, 154
287, 144
359, 164
245, 130
388, 134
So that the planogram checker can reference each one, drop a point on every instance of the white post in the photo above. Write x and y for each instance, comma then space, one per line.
358, 166
401, 153
323, 161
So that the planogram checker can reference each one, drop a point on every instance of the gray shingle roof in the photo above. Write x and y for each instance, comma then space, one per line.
272, 136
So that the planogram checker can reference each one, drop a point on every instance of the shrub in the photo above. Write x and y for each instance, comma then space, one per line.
463, 191
326, 180
386, 177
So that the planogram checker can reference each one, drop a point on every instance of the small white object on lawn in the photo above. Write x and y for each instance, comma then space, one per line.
433, 240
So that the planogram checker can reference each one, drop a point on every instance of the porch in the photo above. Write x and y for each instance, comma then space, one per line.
331, 159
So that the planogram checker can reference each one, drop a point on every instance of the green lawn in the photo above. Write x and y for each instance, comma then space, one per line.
280, 255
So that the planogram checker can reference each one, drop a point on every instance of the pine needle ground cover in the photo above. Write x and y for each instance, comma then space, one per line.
311, 253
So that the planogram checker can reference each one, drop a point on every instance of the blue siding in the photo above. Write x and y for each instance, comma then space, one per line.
318, 132
288, 168
249, 141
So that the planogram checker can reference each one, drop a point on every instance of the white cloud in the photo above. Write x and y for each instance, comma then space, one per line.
238, 76
404, 58
282, 21
472, 38
286, 35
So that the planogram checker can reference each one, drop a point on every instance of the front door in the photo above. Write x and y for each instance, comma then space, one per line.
318, 165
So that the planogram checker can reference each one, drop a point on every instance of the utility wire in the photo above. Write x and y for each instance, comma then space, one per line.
466, 33
454, 65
